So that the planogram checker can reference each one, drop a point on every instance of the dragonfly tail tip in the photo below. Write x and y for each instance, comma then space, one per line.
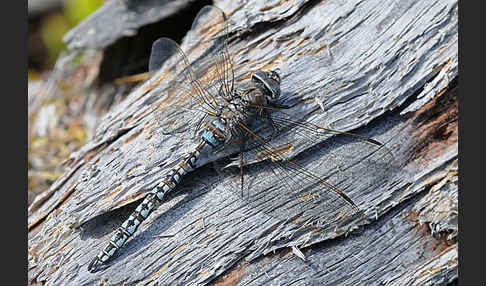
93, 265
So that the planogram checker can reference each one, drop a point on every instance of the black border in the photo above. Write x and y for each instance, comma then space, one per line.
471, 124
14, 184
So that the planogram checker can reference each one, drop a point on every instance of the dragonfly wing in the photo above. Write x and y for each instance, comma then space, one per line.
214, 65
177, 78
194, 84
290, 191
281, 129
314, 187
209, 60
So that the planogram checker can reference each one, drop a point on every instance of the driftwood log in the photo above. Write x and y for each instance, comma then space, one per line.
386, 69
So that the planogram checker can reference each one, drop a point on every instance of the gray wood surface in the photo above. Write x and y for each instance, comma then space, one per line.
383, 69
116, 19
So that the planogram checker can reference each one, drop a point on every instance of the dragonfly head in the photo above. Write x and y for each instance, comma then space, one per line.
270, 80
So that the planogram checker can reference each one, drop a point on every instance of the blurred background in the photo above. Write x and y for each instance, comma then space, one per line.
84, 57
49, 20
54, 130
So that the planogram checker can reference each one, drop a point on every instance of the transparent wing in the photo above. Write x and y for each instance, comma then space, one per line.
178, 79
314, 188
209, 69
213, 65
194, 84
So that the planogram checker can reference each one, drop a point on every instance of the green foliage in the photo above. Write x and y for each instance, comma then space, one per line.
57, 24
52, 30
77, 10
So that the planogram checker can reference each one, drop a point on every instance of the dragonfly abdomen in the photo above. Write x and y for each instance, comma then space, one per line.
212, 136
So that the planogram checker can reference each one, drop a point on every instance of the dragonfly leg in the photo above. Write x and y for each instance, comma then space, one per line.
240, 165
272, 124
280, 106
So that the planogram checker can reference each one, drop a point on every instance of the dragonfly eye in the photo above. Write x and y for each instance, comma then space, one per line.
270, 80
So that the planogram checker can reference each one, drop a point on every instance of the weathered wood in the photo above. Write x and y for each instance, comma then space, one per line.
379, 68
118, 19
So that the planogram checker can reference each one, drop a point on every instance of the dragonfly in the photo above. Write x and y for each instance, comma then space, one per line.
246, 114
